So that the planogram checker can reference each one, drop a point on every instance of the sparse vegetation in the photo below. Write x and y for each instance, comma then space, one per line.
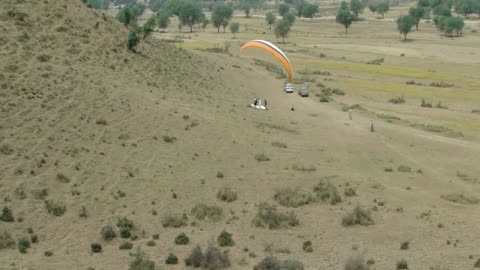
226, 194
225, 239
6, 149
397, 100
405, 245
108, 233
55, 208
62, 178
358, 216
174, 220
293, 197
404, 169
279, 144
269, 217
356, 263
219, 175
40, 194
169, 139
377, 61
460, 198
327, 192
182, 239
303, 168
402, 265
6, 241
141, 262
212, 259
205, 212
272, 263
126, 246
261, 157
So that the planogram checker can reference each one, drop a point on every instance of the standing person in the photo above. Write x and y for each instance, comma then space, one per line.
350, 114
255, 101
265, 103
372, 127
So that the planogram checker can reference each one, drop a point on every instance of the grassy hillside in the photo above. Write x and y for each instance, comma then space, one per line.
161, 142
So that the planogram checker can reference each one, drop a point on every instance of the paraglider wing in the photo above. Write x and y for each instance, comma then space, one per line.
274, 50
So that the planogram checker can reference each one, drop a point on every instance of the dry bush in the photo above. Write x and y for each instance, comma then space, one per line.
141, 262
272, 263
261, 157
54, 208
402, 265
293, 197
174, 220
269, 217
108, 233
327, 192
358, 216
212, 259
226, 194
205, 212
182, 239
303, 168
356, 263
6, 241
279, 144
225, 239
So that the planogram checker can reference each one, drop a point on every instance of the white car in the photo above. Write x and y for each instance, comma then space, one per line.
288, 88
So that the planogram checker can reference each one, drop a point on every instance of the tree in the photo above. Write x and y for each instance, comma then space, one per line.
205, 22
423, 3
345, 18
221, 16
132, 40
246, 5
234, 28
405, 24
125, 16
417, 13
148, 27
137, 9
155, 5
282, 28
344, 6
309, 10
289, 17
299, 4
189, 14
357, 7
283, 9
450, 24
380, 8
163, 19
467, 7
442, 10
270, 18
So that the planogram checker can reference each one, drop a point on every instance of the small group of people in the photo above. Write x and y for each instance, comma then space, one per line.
258, 103
372, 125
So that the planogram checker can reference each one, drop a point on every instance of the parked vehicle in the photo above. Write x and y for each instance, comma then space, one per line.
288, 88
303, 92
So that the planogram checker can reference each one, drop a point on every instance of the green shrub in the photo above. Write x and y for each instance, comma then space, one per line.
279, 144
324, 98
182, 239
404, 168
96, 248
220, 175
349, 191
174, 220
6, 149
62, 178
141, 262
307, 246
337, 91
125, 223
171, 259
169, 139
269, 217
377, 61
356, 263
261, 157
101, 121
23, 245
83, 212
293, 197
397, 100
346, 107
205, 212
441, 84
402, 265
226, 194
156, 236
132, 40
225, 239
6, 215
40, 194
151, 243
195, 258
389, 169
327, 192
125, 232
56, 209
405, 245
6, 241
357, 216
477, 264
48, 253
126, 245
108, 233
34, 238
